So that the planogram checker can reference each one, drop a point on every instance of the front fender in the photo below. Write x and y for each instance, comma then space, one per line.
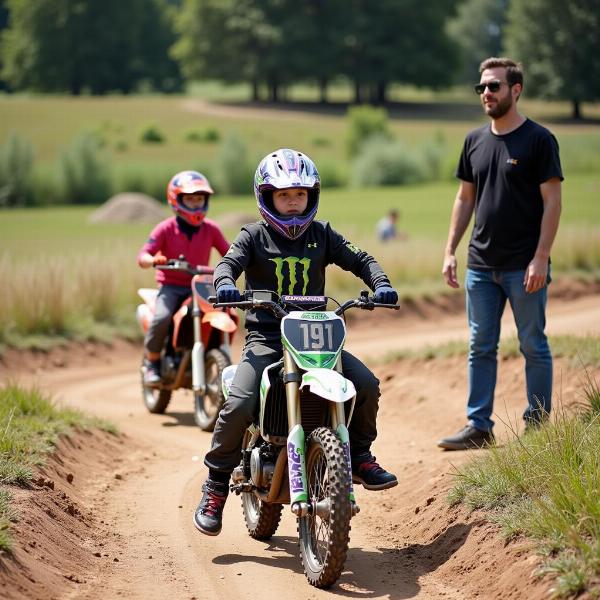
328, 384
220, 320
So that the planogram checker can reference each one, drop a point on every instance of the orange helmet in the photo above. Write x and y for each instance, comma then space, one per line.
188, 182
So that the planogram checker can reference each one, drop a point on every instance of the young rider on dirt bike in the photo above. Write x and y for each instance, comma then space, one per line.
189, 234
287, 253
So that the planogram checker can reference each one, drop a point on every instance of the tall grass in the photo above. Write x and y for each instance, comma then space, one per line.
545, 485
30, 426
68, 297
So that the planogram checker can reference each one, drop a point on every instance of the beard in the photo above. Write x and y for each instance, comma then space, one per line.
502, 106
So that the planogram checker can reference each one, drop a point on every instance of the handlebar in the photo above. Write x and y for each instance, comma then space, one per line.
180, 264
277, 307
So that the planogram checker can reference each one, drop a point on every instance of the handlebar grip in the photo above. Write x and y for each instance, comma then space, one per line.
381, 305
244, 305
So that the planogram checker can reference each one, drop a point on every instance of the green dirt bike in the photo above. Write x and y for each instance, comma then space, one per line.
297, 451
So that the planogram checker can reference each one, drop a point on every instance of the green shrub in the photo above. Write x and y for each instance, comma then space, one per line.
235, 174
210, 134
85, 173
365, 122
433, 152
151, 134
385, 162
321, 142
147, 180
16, 162
332, 173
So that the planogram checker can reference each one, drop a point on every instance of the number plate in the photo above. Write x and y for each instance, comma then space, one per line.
314, 338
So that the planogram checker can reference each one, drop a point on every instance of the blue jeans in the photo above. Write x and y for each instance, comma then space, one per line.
487, 292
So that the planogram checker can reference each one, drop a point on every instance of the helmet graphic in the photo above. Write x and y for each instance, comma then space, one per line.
281, 169
188, 182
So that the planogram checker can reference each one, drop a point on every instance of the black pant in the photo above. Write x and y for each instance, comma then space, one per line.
239, 409
169, 299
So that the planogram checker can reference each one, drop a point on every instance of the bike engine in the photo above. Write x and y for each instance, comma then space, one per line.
262, 465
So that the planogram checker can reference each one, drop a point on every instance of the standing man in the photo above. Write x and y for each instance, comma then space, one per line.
510, 177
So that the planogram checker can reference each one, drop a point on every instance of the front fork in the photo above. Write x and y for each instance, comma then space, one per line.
296, 441
198, 377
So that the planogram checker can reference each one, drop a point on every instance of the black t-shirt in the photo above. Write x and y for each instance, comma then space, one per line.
273, 262
507, 171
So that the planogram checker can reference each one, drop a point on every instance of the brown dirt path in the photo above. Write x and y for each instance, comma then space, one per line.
405, 543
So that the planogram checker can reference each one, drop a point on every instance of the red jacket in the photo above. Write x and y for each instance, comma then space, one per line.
169, 240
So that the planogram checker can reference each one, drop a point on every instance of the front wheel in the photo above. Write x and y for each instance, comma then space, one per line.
325, 532
208, 405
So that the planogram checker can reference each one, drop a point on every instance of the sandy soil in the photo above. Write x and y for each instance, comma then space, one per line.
110, 516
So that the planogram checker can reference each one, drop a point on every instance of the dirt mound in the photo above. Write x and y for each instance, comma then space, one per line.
129, 207
59, 539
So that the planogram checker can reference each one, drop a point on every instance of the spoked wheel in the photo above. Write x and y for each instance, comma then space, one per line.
208, 405
155, 399
325, 532
262, 519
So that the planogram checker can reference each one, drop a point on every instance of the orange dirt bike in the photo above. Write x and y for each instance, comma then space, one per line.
197, 349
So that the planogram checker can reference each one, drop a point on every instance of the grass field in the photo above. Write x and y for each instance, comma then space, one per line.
69, 277
51, 122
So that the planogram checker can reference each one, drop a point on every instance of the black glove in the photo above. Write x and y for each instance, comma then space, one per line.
385, 295
228, 293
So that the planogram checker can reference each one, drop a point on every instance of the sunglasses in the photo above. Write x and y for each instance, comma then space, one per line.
493, 86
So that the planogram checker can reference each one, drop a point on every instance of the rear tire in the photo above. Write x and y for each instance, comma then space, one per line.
324, 539
208, 405
262, 518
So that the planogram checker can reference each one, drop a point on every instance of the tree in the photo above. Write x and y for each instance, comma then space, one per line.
3, 25
559, 45
390, 41
58, 45
478, 30
225, 39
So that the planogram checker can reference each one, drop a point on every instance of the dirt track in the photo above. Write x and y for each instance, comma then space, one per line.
406, 543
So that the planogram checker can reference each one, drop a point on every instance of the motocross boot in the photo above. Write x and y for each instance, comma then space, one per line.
209, 514
151, 372
367, 472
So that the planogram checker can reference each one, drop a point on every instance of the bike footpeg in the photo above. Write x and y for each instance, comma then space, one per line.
355, 509
238, 488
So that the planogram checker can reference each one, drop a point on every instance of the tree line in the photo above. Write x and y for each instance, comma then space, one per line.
84, 46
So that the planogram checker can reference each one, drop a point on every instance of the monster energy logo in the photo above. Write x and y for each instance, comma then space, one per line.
291, 261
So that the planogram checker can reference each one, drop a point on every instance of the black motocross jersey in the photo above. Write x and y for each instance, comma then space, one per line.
296, 267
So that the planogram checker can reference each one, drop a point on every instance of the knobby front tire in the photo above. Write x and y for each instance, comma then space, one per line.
324, 539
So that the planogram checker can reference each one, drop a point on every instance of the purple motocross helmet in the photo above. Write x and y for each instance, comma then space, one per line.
282, 169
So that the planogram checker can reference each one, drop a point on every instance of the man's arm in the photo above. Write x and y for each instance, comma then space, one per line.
537, 270
459, 221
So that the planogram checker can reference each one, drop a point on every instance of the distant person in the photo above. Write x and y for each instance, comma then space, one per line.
511, 179
188, 233
387, 227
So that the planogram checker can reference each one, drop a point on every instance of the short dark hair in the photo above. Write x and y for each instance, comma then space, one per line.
514, 71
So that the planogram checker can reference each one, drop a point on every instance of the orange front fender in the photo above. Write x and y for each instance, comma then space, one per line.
220, 320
